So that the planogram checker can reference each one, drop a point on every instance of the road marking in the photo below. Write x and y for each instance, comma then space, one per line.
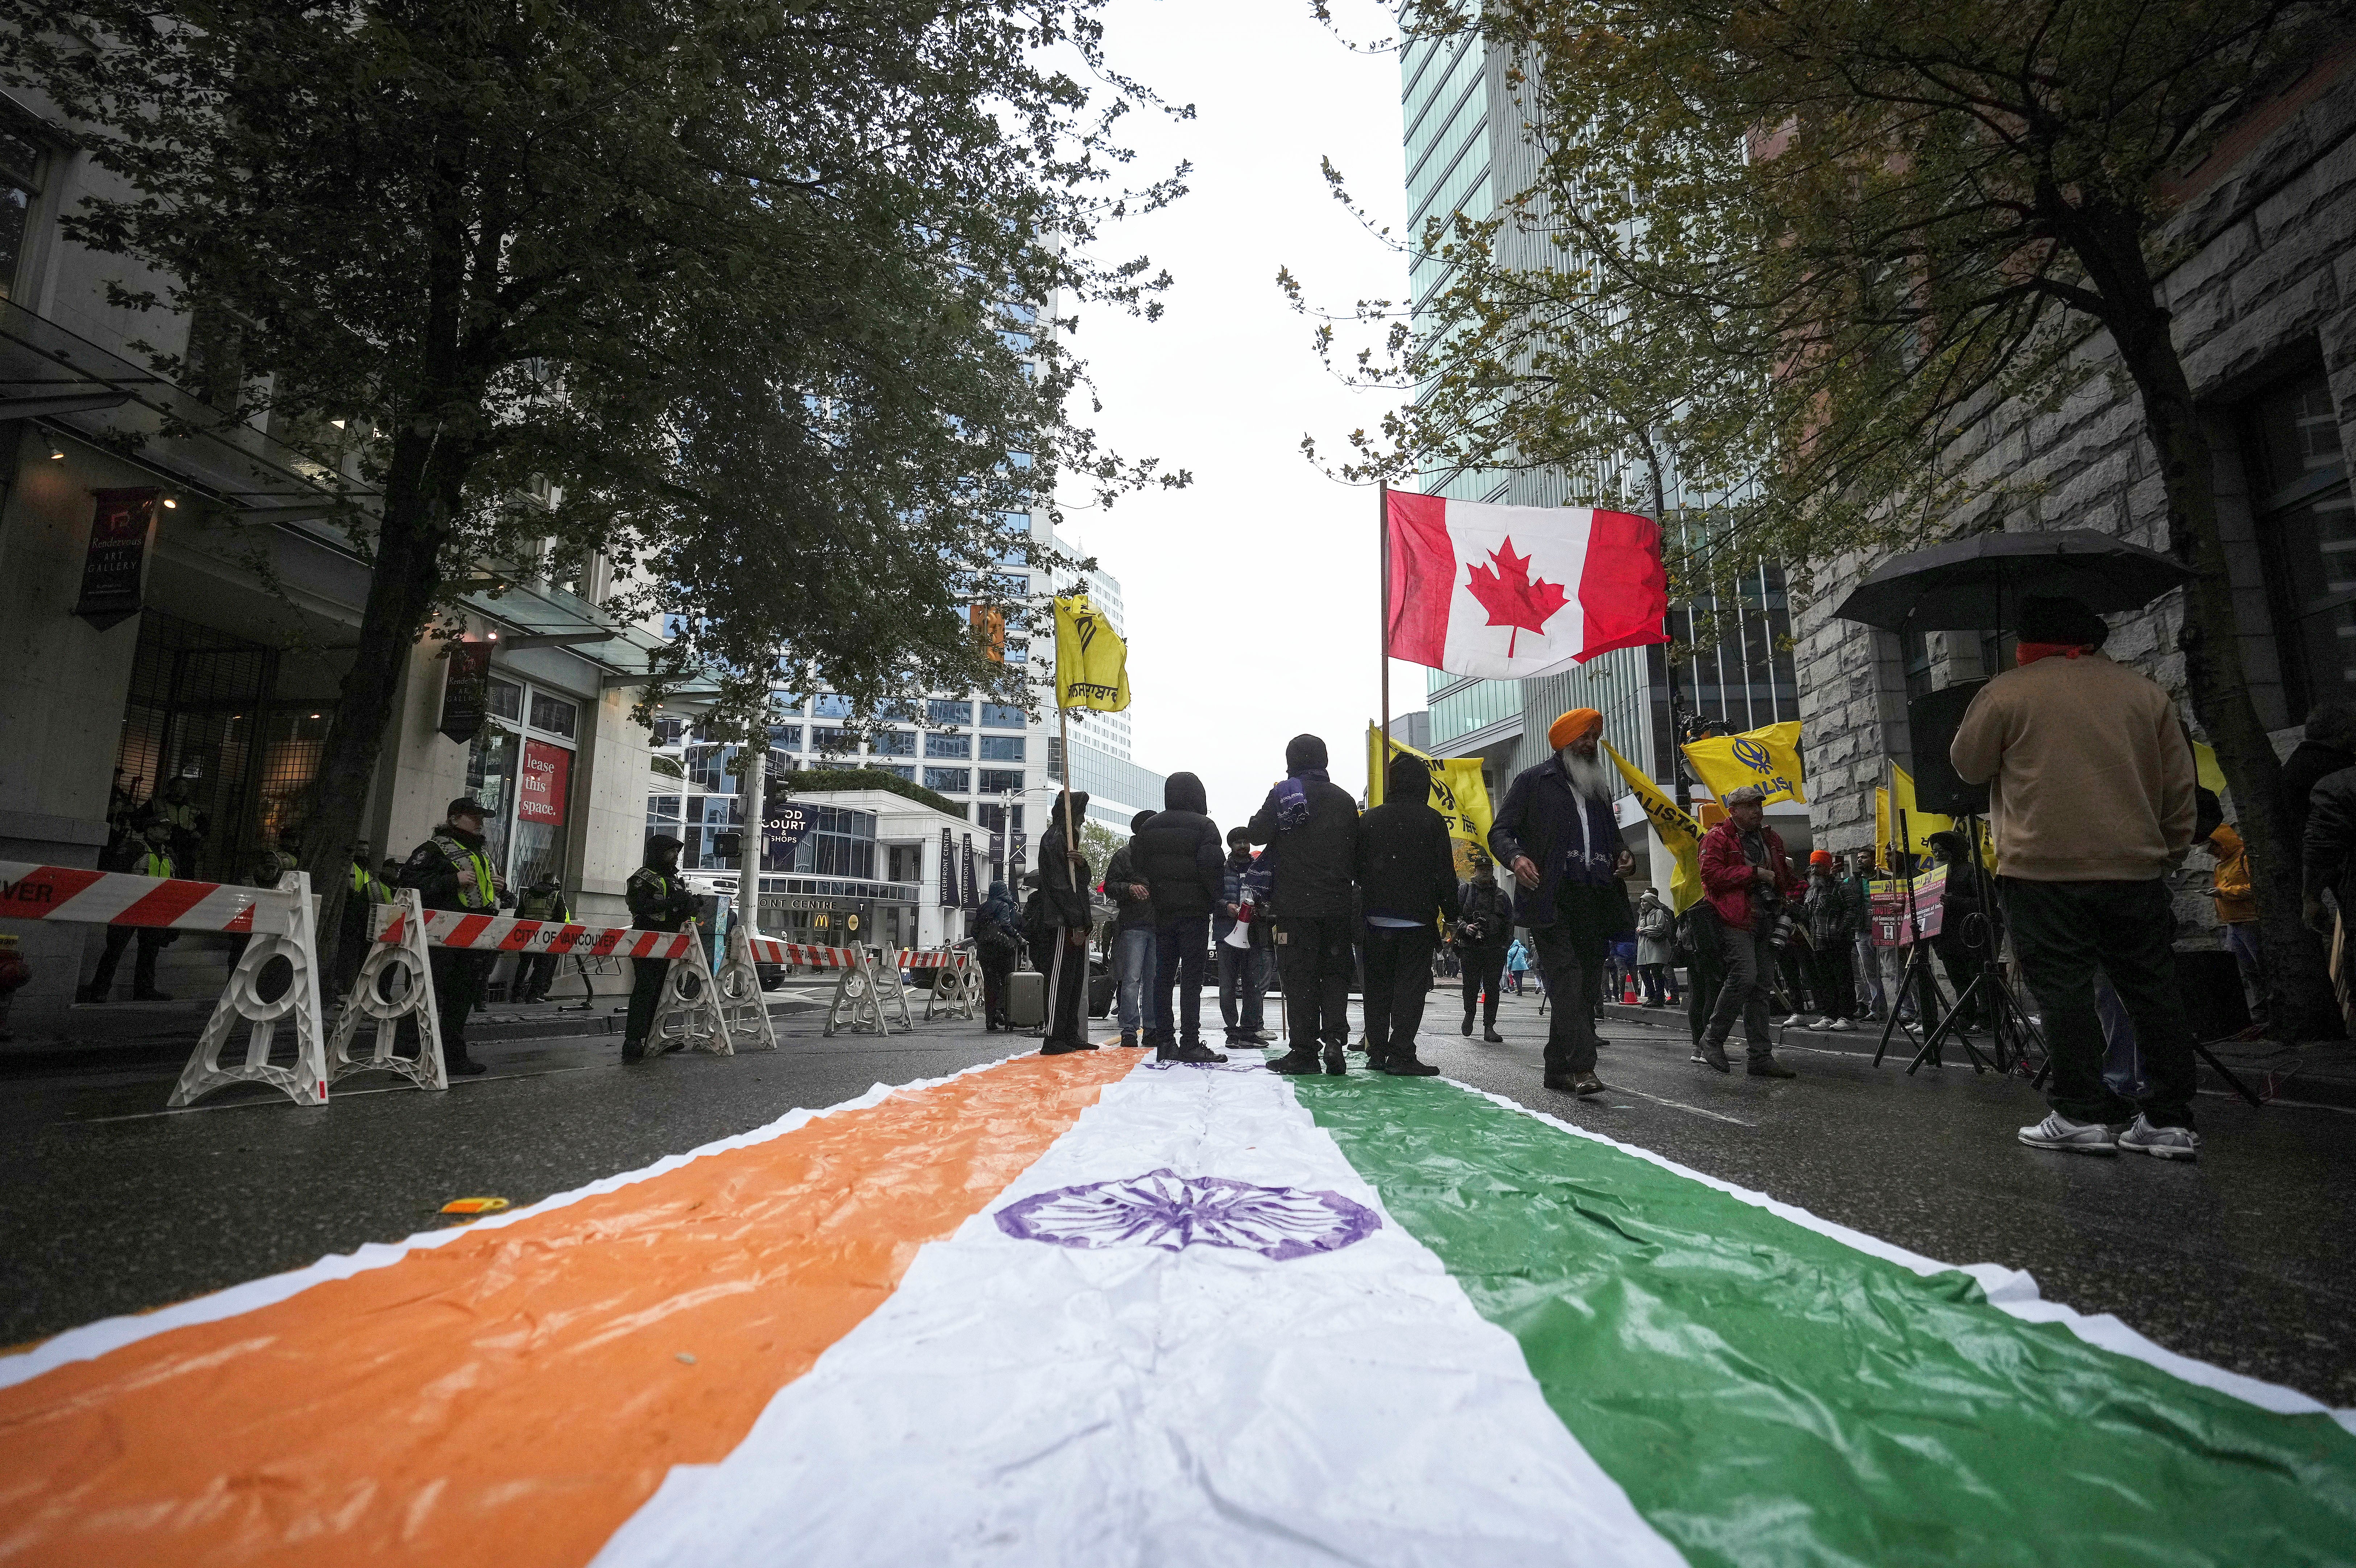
338, 1094
1681, 1105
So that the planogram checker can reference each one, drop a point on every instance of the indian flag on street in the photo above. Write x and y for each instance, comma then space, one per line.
1089, 1310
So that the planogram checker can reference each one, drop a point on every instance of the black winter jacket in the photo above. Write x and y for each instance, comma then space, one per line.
1120, 876
2331, 841
1315, 861
1180, 855
1404, 867
2309, 764
1482, 903
1063, 874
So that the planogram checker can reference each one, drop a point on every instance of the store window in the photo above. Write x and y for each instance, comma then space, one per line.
950, 780
520, 767
1003, 715
21, 170
955, 746
2307, 528
1001, 748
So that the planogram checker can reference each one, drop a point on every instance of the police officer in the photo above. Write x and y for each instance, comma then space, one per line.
543, 900
368, 890
175, 808
451, 870
153, 860
268, 870
659, 902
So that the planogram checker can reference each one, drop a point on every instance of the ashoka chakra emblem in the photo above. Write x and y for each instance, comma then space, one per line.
1173, 1212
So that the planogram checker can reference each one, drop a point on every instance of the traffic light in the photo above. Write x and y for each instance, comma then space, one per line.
728, 845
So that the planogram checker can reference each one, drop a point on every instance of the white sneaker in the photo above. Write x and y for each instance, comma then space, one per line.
2058, 1131
1796, 1021
1842, 1026
2165, 1142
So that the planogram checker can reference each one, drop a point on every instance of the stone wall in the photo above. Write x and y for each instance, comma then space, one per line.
2264, 287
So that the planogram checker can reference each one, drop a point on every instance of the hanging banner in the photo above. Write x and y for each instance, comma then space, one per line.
545, 784
783, 824
972, 891
1017, 853
466, 689
115, 567
948, 889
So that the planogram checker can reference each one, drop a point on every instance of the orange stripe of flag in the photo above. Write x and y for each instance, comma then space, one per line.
507, 1400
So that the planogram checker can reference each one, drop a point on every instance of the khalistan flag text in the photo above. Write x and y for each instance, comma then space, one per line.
1507, 591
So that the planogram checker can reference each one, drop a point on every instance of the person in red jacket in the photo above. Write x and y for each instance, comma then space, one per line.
1750, 886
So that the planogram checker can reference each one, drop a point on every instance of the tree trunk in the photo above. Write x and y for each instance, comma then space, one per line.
2298, 985
403, 583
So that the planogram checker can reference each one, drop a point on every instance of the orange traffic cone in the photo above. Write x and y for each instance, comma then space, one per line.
1628, 989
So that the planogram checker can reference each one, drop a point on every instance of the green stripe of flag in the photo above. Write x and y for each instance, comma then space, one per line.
1767, 1394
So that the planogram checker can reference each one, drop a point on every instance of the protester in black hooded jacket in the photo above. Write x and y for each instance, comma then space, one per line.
1069, 916
1407, 880
1179, 855
1311, 825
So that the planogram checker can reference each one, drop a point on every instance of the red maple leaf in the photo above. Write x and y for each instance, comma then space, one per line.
1511, 598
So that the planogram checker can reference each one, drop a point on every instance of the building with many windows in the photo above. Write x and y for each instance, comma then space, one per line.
1467, 147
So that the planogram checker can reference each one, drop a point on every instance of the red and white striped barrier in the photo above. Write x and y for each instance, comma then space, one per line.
502, 933
769, 950
930, 957
958, 985
126, 899
279, 919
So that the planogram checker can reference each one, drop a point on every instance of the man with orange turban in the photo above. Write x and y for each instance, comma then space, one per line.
1560, 836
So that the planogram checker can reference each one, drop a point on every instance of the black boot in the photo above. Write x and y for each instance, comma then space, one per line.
1468, 1023
1408, 1065
1193, 1051
1295, 1063
1336, 1064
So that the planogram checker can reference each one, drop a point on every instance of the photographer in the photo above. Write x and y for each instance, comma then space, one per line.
1484, 925
1751, 887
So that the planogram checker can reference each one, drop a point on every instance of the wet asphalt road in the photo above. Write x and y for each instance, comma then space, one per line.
2247, 1258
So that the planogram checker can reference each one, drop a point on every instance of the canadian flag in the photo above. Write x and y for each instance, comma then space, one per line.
1508, 591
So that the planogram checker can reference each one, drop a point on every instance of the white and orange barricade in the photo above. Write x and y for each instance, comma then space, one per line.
281, 922
956, 980
743, 1008
867, 995
689, 1014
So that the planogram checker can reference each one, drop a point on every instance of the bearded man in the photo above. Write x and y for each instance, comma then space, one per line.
1560, 837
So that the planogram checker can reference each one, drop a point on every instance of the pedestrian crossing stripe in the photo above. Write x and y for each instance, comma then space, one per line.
1092, 1308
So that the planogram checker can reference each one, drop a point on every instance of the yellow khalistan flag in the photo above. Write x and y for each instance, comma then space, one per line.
1769, 757
1678, 830
1457, 794
1920, 824
1091, 660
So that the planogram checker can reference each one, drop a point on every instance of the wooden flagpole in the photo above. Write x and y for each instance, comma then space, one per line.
1383, 599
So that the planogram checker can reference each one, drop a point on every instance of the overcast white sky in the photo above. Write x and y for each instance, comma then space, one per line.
1250, 596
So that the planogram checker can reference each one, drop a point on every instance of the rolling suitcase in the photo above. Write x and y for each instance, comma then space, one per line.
1027, 998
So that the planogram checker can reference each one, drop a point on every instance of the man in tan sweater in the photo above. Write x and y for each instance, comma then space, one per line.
2090, 784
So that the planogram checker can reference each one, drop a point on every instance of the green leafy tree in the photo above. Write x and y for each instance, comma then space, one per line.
1813, 250
748, 285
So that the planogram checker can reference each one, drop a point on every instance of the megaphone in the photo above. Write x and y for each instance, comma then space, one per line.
1239, 934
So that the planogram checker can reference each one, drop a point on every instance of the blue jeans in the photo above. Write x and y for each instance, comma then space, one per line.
1134, 955
1243, 987
2241, 941
1184, 944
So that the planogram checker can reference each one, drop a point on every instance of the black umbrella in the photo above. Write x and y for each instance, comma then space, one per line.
1977, 584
